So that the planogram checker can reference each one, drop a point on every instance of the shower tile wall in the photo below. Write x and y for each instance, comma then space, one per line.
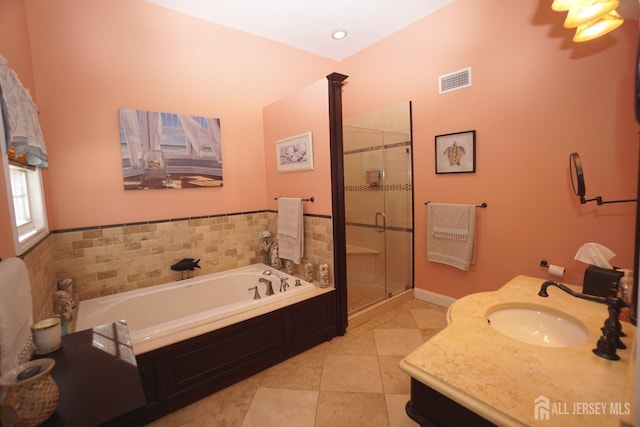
108, 260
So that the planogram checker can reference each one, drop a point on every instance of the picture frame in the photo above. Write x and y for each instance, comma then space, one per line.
295, 153
456, 152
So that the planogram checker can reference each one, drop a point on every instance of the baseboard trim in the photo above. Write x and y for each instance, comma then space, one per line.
432, 297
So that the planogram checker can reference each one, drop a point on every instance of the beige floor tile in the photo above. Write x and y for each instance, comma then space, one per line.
393, 379
397, 318
225, 408
272, 407
337, 409
427, 334
395, 407
357, 341
356, 373
429, 319
301, 372
397, 342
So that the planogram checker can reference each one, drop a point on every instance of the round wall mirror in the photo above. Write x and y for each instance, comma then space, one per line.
577, 176
577, 180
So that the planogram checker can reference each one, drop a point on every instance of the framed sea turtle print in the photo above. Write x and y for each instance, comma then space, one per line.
456, 152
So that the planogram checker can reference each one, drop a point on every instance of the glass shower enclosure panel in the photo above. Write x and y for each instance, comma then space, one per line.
378, 206
365, 216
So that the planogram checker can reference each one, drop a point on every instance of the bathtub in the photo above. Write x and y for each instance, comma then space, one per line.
164, 314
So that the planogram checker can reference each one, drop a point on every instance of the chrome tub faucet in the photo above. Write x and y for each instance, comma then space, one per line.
283, 280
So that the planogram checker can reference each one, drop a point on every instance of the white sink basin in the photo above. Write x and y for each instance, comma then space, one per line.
538, 325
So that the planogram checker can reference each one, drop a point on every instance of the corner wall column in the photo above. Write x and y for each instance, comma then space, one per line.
337, 198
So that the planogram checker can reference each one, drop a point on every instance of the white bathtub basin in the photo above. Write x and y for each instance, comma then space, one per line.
538, 325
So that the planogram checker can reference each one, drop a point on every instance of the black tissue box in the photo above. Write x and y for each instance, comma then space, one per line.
601, 281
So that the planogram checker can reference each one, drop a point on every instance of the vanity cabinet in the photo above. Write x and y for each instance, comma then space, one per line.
429, 408
472, 374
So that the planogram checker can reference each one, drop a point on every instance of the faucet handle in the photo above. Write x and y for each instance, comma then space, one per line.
256, 295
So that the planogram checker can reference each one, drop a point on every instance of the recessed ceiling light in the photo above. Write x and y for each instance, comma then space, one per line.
340, 34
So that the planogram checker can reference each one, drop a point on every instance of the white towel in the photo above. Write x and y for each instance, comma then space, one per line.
290, 229
15, 313
451, 232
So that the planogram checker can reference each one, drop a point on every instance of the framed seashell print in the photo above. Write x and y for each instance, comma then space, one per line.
295, 153
456, 152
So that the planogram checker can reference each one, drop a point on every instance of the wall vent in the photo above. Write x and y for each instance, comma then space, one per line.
455, 80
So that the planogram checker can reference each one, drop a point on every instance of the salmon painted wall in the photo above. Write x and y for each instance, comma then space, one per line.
14, 47
92, 57
536, 97
305, 110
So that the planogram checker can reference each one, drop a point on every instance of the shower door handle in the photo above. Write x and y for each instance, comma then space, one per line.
381, 229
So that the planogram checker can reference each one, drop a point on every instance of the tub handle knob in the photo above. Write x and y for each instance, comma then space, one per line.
283, 284
256, 295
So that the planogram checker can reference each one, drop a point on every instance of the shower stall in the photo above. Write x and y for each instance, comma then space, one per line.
377, 155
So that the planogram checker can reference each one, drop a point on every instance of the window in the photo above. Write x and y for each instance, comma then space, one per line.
26, 200
20, 195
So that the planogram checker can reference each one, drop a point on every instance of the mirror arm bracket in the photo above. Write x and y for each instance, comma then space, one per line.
599, 200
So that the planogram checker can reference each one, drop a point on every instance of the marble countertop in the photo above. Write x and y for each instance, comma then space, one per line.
501, 378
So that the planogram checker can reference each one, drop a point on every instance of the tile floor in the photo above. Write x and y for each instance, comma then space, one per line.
353, 380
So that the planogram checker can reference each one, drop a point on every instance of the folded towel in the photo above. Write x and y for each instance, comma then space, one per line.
451, 234
290, 229
15, 314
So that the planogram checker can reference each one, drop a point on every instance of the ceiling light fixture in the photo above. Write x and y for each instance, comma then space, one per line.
599, 27
591, 18
564, 5
588, 12
339, 34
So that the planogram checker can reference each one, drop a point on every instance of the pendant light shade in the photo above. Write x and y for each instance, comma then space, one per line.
564, 5
599, 27
589, 11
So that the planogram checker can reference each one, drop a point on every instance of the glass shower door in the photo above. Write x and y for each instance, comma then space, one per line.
365, 218
378, 206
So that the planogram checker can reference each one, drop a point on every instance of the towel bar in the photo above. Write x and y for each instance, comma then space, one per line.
482, 205
310, 199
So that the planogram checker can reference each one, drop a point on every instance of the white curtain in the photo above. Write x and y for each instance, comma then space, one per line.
129, 120
155, 130
20, 115
199, 137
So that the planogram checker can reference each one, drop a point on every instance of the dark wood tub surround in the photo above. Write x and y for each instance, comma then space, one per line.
182, 373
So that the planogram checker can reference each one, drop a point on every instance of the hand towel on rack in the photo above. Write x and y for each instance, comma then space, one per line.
451, 232
290, 229
15, 313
